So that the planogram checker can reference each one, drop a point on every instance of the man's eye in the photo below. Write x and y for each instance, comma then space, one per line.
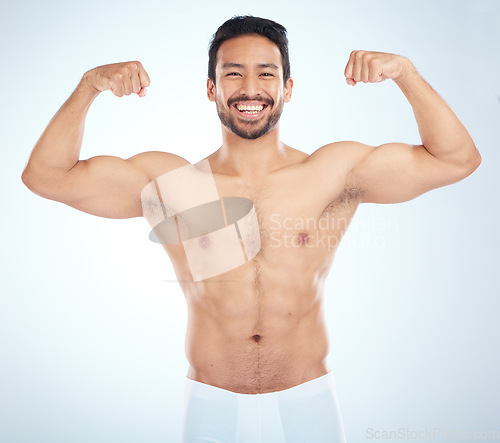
233, 73
267, 74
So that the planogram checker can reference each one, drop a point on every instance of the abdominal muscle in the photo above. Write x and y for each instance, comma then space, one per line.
258, 328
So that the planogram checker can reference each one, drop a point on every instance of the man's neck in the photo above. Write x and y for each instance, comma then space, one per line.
250, 158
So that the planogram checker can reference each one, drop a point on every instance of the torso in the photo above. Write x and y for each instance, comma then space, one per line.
260, 326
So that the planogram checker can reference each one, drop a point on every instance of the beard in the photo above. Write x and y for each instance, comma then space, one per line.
249, 129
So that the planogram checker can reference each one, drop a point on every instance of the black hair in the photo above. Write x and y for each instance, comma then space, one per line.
248, 25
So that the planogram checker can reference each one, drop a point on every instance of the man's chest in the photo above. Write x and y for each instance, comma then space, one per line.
197, 202
222, 222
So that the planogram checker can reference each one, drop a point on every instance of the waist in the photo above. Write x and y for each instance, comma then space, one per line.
258, 360
310, 388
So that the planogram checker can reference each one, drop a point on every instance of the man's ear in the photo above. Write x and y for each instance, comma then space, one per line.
288, 90
210, 90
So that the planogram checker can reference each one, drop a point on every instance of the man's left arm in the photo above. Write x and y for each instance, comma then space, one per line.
396, 172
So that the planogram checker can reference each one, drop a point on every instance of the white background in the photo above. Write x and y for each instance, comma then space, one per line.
92, 331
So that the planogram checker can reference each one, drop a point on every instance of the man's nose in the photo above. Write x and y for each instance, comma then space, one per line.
250, 86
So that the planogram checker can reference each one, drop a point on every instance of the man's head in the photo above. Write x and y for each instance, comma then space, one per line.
248, 25
249, 75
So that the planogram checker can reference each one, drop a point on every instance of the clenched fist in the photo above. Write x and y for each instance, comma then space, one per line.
119, 78
374, 67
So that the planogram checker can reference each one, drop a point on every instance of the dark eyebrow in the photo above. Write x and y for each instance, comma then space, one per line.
232, 65
260, 65
269, 65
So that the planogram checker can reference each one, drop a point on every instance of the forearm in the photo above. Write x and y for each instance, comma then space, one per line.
442, 133
58, 148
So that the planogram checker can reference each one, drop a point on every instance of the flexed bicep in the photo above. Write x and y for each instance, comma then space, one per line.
398, 172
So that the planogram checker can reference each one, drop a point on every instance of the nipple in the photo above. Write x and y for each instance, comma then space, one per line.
204, 242
303, 237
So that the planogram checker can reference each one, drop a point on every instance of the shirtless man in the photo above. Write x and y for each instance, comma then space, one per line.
258, 328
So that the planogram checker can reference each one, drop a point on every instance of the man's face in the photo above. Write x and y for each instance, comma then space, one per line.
249, 91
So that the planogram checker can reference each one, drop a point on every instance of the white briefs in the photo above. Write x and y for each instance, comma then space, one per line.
305, 413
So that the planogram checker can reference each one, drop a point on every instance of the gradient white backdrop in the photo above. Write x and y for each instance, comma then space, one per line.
92, 326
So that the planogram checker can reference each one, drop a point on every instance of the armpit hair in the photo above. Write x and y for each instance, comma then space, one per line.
348, 197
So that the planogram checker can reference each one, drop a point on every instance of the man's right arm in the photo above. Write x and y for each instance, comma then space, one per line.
106, 186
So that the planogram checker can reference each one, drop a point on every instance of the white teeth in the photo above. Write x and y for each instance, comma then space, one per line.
253, 109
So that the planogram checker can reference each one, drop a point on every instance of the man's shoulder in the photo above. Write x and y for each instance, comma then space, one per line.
344, 147
344, 153
157, 163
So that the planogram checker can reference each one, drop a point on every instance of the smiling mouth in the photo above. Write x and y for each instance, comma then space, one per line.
250, 110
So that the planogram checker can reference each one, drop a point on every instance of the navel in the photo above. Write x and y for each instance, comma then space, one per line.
256, 338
